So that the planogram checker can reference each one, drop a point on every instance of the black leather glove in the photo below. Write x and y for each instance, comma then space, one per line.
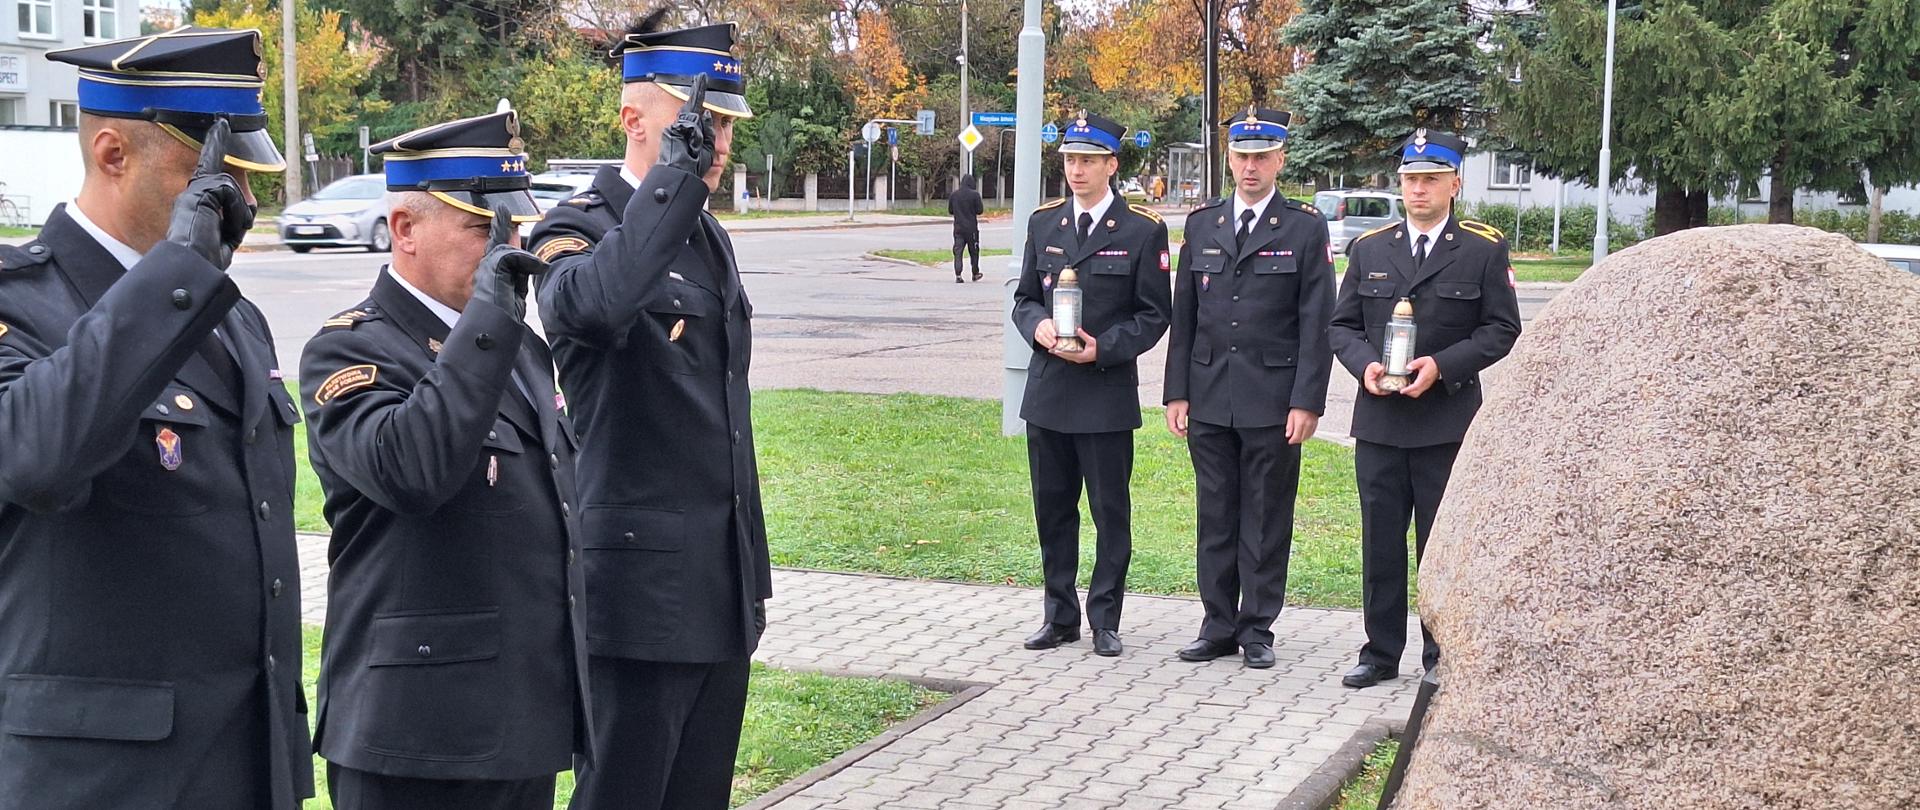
212, 215
505, 272
759, 617
687, 143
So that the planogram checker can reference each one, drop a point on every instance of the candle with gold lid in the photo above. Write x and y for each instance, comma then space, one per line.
1398, 349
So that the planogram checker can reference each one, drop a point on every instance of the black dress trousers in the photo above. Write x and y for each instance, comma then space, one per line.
1060, 463
1247, 479
1396, 484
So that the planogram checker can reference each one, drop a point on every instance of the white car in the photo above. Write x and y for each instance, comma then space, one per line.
1903, 257
553, 188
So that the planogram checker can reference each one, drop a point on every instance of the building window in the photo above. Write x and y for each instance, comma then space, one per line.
99, 19
36, 18
10, 111
1511, 171
63, 114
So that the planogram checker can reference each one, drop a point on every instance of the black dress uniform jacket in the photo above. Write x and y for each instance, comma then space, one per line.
1466, 311
149, 617
452, 649
650, 330
1249, 340
1125, 302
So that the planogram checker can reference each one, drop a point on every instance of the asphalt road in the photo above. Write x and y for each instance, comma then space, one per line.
824, 317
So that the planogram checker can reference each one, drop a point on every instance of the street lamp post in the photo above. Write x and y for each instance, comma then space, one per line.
966, 104
1210, 117
1015, 350
1606, 146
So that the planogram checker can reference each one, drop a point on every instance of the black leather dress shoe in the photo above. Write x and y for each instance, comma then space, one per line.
1106, 642
1206, 650
1052, 635
1366, 675
1259, 656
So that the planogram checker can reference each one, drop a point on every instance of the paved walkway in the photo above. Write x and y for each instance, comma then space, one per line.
1063, 728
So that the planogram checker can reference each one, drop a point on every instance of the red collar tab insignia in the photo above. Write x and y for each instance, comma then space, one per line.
169, 444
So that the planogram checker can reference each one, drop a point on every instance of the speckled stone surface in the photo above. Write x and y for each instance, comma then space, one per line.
1679, 562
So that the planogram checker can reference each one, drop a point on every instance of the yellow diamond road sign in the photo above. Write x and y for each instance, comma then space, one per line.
970, 138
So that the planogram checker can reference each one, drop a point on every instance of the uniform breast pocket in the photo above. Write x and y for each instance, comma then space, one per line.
174, 465
1275, 265
1457, 303
633, 552
494, 487
1376, 301
1110, 267
425, 670
679, 319
1209, 264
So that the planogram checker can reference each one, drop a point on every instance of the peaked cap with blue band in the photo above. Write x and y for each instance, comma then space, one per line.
1092, 135
183, 80
672, 59
472, 164
1428, 152
1258, 130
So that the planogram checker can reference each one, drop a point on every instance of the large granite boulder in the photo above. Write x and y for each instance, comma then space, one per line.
1679, 562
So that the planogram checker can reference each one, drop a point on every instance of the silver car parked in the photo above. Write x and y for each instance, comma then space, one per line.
1351, 213
349, 212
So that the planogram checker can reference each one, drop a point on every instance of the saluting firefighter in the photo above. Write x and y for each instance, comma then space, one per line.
1247, 381
650, 328
1456, 276
453, 671
1082, 403
149, 591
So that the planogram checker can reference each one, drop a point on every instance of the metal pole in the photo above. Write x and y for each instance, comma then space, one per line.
869, 177
1015, 349
966, 103
1559, 202
1605, 209
1210, 117
290, 100
851, 174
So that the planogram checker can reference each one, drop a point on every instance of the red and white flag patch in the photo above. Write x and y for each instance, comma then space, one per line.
1165, 264
1510, 278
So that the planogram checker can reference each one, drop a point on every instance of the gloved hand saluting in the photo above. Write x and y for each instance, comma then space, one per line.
212, 215
687, 144
504, 273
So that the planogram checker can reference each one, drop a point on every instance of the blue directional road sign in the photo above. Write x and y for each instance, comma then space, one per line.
994, 119
1143, 139
893, 136
1049, 133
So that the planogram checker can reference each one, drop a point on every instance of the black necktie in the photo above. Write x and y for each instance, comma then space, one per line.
1246, 225
1086, 227
1420, 251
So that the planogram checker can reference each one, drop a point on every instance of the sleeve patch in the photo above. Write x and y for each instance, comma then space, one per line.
344, 380
561, 244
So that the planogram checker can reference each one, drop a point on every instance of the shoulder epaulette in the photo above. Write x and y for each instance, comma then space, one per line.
1146, 212
1209, 204
1482, 230
1054, 204
585, 199
1381, 229
1301, 206
350, 318
20, 257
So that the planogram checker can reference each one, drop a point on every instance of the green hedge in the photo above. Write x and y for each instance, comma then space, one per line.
1576, 225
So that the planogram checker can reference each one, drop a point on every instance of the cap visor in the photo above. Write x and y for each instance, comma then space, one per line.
518, 204
1255, 147
252, 150
1078, 148
730, 104
1426, 168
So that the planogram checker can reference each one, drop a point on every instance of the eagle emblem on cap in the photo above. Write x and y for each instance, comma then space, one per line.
1420, 137
1082, 123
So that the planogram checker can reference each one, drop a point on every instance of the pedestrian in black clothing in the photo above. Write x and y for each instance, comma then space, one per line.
966, 206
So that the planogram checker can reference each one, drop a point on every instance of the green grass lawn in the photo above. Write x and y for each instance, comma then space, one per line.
1363, 791
935, 258
926, 487
13, 232
794, 722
